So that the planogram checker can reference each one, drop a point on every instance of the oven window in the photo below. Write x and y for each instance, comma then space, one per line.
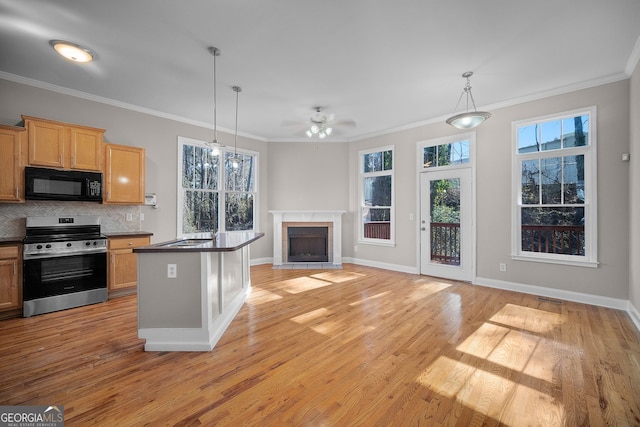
60, 275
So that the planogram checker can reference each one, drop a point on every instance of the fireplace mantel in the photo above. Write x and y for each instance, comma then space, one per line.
283, 217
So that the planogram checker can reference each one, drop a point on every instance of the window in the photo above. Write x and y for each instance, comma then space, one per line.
554, 174
213, 195
376, 196
450, 154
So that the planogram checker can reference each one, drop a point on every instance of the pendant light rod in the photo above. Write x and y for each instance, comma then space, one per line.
237, 90
214, 51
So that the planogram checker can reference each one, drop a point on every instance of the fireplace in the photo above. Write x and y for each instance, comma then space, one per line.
308, 244
309, 220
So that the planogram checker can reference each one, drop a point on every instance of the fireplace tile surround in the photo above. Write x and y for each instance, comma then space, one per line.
300, 218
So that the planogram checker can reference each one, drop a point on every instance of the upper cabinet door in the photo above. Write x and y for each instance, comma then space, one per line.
13, 149
86, 148
124, 174
62, 145
46, 144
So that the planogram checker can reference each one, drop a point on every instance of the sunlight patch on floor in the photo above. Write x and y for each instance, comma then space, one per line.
303, 284
486, 392
262, 296
311, 316
527, 318
367, 300
426, 290
337, 276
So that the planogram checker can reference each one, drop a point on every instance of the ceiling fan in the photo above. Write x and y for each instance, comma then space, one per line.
323, 125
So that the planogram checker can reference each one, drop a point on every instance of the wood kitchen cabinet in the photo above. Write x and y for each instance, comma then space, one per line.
123, 263
63, 145
124, 174
13, 155
10, 283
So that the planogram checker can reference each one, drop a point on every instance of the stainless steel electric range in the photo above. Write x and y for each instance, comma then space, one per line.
65, 263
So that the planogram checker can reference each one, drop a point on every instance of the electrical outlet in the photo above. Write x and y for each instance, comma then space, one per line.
141, 217
355, 249
410, 217
503, 266
129, 217
172, 271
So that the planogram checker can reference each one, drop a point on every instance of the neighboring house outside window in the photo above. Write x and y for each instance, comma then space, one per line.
554, 180
376, 194
214, 196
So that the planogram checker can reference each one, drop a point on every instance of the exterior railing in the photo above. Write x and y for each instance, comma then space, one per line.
445, 243
553, 239
377, 230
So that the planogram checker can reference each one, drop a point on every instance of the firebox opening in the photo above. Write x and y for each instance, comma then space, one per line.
308, 244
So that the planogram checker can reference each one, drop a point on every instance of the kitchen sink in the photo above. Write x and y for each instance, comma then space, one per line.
188, 243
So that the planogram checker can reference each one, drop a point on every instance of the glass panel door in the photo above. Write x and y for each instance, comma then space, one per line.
446, 233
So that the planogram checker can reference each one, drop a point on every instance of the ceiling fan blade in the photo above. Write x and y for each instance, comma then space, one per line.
349, 123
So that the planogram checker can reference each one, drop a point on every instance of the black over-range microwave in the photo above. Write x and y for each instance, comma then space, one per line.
56, 184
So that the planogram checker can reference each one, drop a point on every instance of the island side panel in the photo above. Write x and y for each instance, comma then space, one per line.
233, 280
169, 302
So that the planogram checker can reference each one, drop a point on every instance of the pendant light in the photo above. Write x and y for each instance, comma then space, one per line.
235, 162
214, 51
469, 119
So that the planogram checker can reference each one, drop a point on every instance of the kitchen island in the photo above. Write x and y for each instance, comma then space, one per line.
190, 290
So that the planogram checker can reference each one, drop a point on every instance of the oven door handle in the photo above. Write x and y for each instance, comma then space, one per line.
64, 254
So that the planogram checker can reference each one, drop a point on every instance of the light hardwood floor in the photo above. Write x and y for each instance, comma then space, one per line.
353, 347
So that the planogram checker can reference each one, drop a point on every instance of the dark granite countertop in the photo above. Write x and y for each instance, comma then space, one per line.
221, 242
11, 240
128, 234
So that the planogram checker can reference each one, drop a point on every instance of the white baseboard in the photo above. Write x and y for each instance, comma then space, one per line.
584, 298
634, 314
384, 265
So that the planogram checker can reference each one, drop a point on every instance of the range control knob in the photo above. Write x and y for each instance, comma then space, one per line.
88, 243
48, 246
68, 245
38, 246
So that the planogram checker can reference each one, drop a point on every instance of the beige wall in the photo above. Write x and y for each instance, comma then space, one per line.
494, 198
308, 175
634, 180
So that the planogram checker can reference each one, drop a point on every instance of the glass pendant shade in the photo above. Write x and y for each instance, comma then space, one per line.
468, 120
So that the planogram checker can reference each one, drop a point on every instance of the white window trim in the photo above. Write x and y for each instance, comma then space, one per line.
221, 191
591, 204
361, 175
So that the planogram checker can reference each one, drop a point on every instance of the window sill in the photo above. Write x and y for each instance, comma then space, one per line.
575, 263
388, 244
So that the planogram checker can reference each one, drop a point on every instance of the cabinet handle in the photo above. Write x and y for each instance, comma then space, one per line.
14, 269
60, 159
73, 161
17, 193
130, 243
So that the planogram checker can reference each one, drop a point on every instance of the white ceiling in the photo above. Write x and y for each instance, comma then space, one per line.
384, 64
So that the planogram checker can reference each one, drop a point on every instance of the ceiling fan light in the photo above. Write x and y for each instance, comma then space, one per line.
71, 51
309, 133
322, 135
315, 128
328, 131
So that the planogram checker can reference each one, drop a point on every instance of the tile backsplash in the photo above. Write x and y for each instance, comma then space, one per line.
113, 218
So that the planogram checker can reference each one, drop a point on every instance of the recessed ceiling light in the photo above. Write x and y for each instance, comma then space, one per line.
71, 51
